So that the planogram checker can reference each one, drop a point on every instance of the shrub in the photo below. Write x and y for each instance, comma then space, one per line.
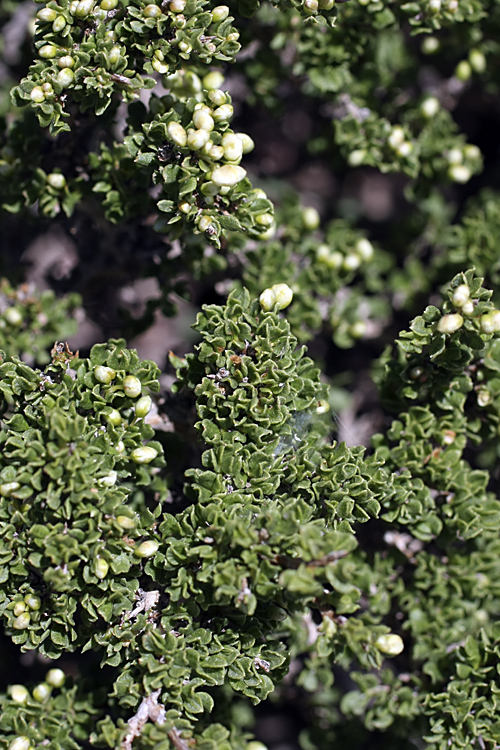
183, 541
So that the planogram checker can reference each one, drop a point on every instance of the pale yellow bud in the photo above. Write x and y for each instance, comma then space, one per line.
390, 644
450, 323
228, 175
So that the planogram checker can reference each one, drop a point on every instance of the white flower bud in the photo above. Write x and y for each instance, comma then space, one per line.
405, 149
37, 95
461, 295
217, 97
104, 374
213, 80
228, 175
223, 113
13, 316
364, 248
356, 157
56, 179
34, 602
203, 120
19, 608
358, 329
18, 693
233, 146
455, 156
490, 321
450, 323
283, 295
430, 107
20, 743
310, 218
120, 446
216, 153
66, 61
55, 677
132, 386
310, 6
114, 417
468, 308
396, 137
267, 299
47, 14
459, 173
146, 549
390, 644
205, 223
248, 144
22, 622
160, 67
471, 152
143, 455
197, 138
143, 406
109, 480
351, 262
177, 6
220, 13
264, 220
430, 45
434, 6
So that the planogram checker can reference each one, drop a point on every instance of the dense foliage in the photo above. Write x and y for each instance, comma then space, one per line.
186, 541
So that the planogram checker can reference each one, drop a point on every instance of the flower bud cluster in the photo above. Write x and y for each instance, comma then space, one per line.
202, 174
348, 262
463, 162
131, 387
55, 678
23, 610
32, 321
487, 322
276, 297
97, 48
